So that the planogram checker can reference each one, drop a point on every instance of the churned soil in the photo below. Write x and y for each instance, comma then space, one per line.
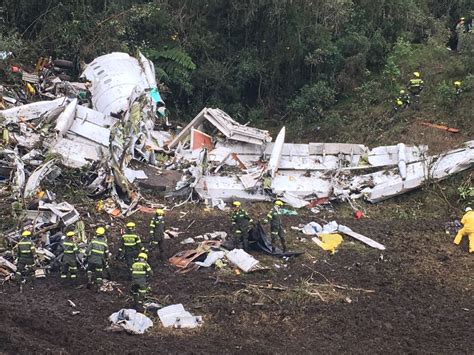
414, 297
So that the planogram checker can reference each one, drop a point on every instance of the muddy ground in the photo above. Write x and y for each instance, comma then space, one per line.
414, 297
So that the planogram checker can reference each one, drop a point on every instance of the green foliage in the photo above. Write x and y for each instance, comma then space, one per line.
468, 83
256, 58
312, 100
176, 56
446, 95
466, 191
369, 93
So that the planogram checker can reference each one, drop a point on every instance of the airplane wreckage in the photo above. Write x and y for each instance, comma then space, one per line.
106, 126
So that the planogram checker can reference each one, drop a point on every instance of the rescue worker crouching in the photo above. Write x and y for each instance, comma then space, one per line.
26, 257
97, 257
276, 227
457, 87
157, 230
131, 244
69, 261
141, 272
241, 226
467, 230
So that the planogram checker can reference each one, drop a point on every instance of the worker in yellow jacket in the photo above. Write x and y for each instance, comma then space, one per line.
467, 229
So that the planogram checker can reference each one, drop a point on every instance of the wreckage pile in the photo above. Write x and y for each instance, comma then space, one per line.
109, 122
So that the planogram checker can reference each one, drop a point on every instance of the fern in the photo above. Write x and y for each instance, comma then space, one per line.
175, 55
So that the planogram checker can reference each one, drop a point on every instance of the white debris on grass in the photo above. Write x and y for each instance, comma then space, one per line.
242, 260
131, 321
176, 316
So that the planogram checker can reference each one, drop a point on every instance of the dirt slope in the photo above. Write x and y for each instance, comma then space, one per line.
414, 297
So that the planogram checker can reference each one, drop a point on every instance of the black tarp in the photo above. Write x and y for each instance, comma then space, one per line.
258, 240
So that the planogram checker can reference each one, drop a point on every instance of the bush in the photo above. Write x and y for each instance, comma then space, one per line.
312, 100
446, 95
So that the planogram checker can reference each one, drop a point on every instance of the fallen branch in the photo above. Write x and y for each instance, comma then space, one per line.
330, 284
347, 288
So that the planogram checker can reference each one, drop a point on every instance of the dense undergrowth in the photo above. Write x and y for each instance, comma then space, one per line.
328, 70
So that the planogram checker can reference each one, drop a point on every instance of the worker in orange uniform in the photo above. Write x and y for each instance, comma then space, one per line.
468, 229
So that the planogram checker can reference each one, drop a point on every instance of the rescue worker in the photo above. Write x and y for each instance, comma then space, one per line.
131, 244
467, 230
26, 257
457, 87
241, 226
405, 97
399, 106
461, 25
416, 84
157, 230
276, 228
97, 257
141, 272
69, 262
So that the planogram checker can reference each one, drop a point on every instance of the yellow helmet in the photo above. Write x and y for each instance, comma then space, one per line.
160, 212
278, 203
457, 83
399, 102
70, 234
143, 256
131, 225
402, 91
462, 19
25, 233
100, 231
236, 204
416, 74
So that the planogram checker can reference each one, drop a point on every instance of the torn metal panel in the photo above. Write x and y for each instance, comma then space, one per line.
114, 77
226, 125
183, 259
159, 139
38, 175
65, 211
251, 179
92, 125
402, 160
389, 155
19, 177
65, 119
226, 188
293, 200
40, 217
437, 167
242, 260
76, 152
176, 316
453, 161
360, 237
336, 149
200, 140
302, 186
32, 111
26, 139
134, 174
324, 156
219, 155
275, 157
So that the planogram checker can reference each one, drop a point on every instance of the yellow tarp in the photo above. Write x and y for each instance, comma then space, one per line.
329, 242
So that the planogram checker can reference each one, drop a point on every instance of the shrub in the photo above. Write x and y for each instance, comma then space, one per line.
312, 100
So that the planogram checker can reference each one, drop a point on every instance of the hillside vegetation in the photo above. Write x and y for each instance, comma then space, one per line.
328, 70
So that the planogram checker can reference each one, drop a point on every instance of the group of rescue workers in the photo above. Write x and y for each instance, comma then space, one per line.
132, 251
415, 87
